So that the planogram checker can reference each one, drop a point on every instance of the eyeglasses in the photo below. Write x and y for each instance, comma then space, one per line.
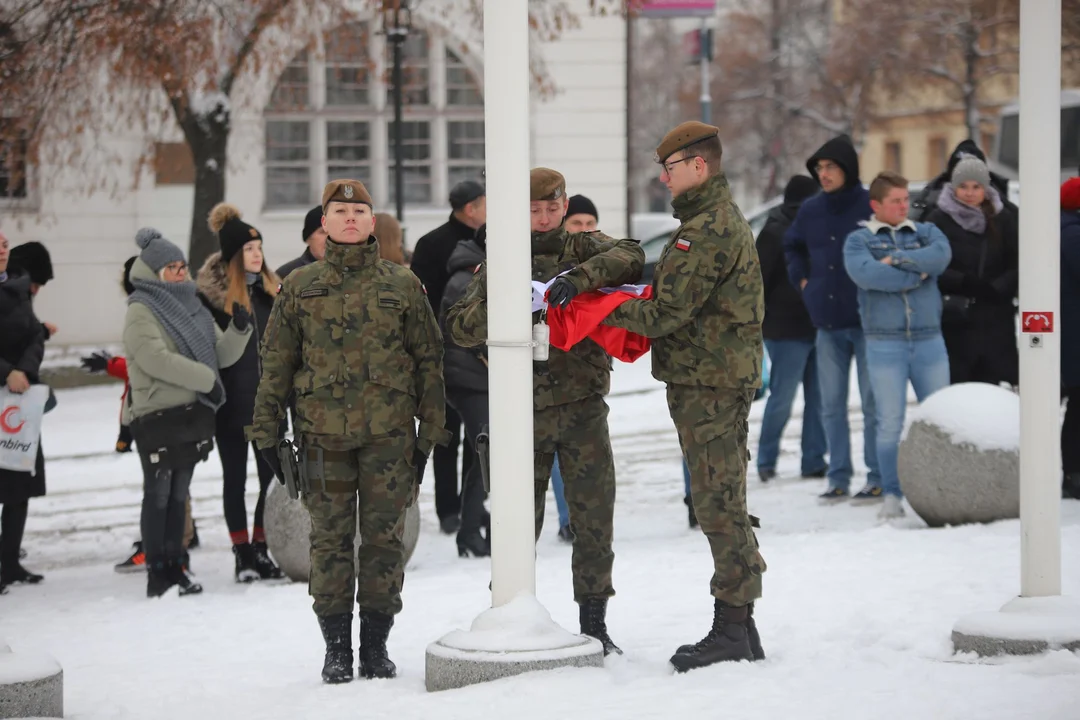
669, 165
177, 267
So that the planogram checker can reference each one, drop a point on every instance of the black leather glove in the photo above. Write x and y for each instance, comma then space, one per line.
96, 362
216, 394
419, 458
241, 318
269, 454
561, 292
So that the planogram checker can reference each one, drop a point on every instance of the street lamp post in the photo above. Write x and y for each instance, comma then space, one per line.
397, 21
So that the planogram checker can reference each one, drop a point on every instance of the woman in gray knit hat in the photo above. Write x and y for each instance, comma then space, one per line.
174, 352
981, 282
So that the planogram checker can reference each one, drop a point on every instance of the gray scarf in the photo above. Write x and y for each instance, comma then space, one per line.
178, 308
972, 219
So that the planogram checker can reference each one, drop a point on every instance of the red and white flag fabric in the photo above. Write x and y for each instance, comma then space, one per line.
584, 318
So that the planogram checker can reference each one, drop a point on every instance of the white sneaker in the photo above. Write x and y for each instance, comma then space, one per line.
892, 508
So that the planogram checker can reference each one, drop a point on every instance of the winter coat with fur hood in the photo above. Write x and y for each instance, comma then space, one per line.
241, 380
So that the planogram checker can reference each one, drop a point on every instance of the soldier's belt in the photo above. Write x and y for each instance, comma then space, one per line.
314, 475
312, 454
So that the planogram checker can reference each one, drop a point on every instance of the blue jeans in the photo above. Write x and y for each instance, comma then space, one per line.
835, 350
892, 363
793, 362
686, 477
557, 490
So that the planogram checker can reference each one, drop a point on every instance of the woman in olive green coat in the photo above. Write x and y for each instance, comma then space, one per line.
174, 351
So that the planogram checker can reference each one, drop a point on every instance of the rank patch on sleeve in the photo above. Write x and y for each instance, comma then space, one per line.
682, 244
315, 292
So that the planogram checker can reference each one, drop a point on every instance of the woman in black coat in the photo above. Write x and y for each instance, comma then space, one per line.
22, 345
980, 285
239, 274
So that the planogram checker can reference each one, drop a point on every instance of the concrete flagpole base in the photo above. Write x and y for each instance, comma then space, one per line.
1024, 626
511, 639
31, 685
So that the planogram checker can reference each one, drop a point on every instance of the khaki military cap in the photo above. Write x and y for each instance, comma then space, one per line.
546, 184
683, 137
347, 191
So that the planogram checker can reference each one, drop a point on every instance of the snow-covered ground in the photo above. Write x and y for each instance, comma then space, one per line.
855, 620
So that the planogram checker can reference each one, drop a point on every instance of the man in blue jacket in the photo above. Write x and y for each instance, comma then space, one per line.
814, 251
896, 263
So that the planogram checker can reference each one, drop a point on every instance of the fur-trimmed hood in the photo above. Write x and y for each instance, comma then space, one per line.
213, 280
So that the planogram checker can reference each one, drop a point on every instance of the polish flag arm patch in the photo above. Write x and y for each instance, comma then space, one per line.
682, 244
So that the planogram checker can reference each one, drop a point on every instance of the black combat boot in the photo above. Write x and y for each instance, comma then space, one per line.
690, 511
159, 578
591, 615
374, 630
267, 569
751, 635
727, 640
337, 632
245, 563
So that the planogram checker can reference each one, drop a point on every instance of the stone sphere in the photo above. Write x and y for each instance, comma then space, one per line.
959, 460
288, 532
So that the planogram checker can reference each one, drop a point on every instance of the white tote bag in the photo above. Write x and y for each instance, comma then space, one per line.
20, 427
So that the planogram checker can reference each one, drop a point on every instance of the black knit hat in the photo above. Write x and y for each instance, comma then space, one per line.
581, 205
34, 260
233, 233
799, 188
312, 222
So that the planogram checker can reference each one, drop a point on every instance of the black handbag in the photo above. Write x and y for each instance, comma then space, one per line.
176, 437
956, 309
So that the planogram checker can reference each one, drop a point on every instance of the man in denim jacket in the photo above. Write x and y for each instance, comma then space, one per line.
895, 263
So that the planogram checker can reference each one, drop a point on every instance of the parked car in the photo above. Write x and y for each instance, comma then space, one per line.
655, 244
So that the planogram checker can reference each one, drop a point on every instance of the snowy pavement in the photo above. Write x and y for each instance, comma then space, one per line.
855, 621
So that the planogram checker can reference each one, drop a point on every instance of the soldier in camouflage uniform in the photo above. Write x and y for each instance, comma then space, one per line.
355, 338
570, 414
705, 320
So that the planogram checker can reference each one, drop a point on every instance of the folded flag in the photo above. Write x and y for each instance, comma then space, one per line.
584, 318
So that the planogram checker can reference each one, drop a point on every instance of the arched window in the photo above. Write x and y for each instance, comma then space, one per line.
331, 116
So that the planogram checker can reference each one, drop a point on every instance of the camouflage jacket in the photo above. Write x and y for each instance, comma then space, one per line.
594, 261
708, 300
355, 337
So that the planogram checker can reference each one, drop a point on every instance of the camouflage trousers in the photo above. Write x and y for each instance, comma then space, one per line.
374, 477
713, 428
578, 432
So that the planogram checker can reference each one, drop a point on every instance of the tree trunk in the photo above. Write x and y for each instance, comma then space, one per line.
208, 140
972, 116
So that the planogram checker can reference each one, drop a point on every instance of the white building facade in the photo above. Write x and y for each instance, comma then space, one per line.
315, 114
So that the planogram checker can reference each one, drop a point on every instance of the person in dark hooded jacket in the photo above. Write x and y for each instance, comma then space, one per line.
814, 250
1070, 335
927, 199
239, 274
22, 347
466, 375
789, 339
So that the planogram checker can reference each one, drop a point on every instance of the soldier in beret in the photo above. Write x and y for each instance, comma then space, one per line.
354, 337
705, 320
570, 414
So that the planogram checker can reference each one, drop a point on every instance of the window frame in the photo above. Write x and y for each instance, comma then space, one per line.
379, 115
29, 199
